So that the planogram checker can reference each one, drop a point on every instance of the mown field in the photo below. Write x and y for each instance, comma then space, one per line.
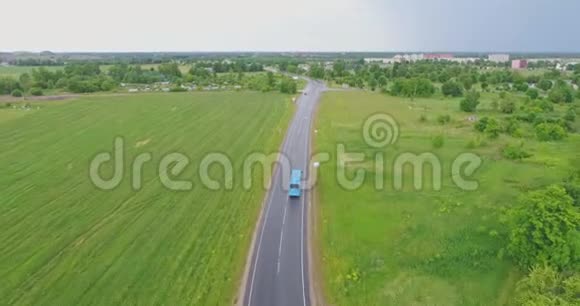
426, 247
65, 242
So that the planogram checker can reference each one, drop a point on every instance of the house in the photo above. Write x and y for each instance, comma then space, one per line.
499, 58
519, 64
442, 56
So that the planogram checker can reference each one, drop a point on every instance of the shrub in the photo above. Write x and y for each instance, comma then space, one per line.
438, 141
572, 186
512, 126
177, 89
35, 91
423, 118
443, 119
507, 106
414, 87
545, 286
550, 131
470, 102
16, 93
481, 124
545, 105
288, 86
561, 94
515, 152
523, 87
476, 143
540, 228
452, 88
570, 115
107, 85
493, 128
545, 85
533, 93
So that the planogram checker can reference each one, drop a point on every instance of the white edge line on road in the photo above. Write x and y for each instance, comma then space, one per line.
282, 237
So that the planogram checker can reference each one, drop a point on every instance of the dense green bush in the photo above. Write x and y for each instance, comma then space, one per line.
493, 128
35, 91
452, 88
288, 86
16, 93
541, 226
443, 119
545, 286
470, 102
515, 152
570, 115
438, 141
8, 85
507, 106
550, 131
414, 87
481, 124
177, 89
561, 93
533, 93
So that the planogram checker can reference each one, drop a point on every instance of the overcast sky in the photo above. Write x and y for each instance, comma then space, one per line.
291, 25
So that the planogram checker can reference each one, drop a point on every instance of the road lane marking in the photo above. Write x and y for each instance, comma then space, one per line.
282, 237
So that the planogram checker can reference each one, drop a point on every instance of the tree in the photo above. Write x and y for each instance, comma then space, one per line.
414, 87
507, 105
540, 228
570, 115
8, 85
382, 81
492, 128
16, 93
25, 81
170, 70
545, 85
550, 131
561, 94
533, 93
288, 86
35, 91
484, 86
545, 286
339, 68
452, 88
470, 102
317, 71
373, 83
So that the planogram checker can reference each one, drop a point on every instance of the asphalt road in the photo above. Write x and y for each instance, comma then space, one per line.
278, 275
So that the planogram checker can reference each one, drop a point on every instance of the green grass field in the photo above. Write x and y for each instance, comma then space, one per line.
16, 71
64, 242
406, 247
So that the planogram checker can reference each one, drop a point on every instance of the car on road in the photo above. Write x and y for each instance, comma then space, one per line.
295, 178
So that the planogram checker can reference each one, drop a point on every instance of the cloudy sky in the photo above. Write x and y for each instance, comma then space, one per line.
291, 25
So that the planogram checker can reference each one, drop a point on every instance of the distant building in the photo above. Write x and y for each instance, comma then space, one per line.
435, 56
519, 64
499, 58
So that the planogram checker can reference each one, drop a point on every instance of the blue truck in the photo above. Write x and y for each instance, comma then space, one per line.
295, 190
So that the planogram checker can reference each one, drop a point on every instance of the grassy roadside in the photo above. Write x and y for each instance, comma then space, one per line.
427, 247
